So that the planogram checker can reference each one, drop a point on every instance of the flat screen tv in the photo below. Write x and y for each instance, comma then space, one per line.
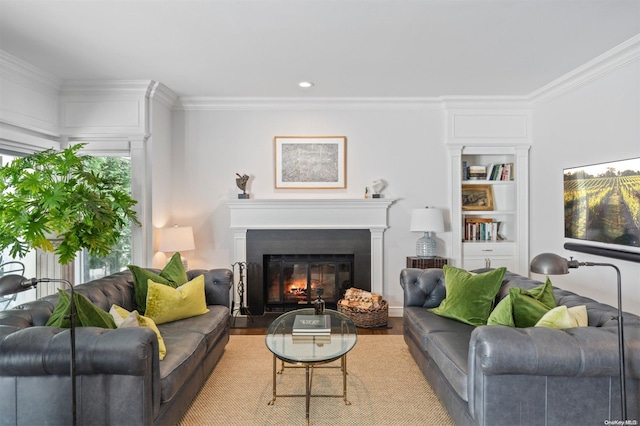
602, 204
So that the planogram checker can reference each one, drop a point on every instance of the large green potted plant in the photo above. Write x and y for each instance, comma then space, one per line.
53, 193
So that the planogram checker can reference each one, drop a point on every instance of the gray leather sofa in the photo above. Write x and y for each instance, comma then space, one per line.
498, 375
121, 380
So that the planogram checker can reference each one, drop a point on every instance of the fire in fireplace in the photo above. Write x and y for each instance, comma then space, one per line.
292, 280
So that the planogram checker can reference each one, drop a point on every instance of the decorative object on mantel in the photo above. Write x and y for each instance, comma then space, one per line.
366, 192
176, 239
377, 186
366, 309
426, 220
552, 264
241, 182
310, 162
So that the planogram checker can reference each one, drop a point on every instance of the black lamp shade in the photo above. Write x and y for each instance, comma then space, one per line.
11, 284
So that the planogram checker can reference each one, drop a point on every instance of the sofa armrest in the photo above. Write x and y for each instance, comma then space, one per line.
118, 374
422, 287
581, 351
217, 285
41, 351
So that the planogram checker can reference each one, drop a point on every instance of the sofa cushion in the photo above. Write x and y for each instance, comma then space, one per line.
211, 325
166, 304
469, 297
450, 350
185, 353
173, 275
87, 314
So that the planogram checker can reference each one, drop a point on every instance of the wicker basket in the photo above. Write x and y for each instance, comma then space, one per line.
367, 318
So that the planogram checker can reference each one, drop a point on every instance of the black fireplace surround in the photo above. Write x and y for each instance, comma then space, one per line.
264, 243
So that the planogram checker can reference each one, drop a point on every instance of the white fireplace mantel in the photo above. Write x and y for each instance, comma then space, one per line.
347, 213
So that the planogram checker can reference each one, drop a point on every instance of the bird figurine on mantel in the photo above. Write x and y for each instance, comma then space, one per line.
241, 182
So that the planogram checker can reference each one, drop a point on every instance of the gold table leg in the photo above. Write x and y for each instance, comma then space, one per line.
309, 383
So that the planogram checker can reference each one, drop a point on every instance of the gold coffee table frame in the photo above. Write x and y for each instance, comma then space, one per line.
310, 355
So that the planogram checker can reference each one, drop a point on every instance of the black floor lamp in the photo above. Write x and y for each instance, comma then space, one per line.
10, 284
552, 264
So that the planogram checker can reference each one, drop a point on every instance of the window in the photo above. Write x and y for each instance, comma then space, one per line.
91, 267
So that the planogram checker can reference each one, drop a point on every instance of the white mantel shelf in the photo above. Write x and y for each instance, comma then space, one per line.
347, 213
316, 213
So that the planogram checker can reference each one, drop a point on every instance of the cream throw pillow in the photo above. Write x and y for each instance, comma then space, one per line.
562, 317
165, 304
124, 318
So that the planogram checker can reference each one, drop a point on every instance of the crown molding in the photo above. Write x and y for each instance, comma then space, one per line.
613, 59
163, 94
486, 102
102, 87
278, 104
27, 75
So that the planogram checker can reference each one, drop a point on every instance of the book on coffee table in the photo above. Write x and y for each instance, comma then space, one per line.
311, 325
312, 338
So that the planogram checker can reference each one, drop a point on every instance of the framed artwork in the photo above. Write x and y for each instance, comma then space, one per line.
310, 162
477, 197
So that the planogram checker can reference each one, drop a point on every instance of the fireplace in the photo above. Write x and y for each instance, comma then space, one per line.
264, 227
284, 267
293, 281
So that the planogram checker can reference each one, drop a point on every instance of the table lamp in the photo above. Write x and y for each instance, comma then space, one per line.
552, 264
176, 239
426, 220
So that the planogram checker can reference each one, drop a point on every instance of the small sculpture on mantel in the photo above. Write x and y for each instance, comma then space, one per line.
377, 186
241, 182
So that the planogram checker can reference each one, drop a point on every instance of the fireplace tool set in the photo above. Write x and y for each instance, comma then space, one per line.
242, 310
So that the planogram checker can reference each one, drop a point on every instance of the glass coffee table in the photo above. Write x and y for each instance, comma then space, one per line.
308, 352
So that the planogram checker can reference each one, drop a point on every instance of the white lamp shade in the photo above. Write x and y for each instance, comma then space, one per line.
176, 239
426, 220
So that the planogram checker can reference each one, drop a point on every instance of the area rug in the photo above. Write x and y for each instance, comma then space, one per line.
385, 387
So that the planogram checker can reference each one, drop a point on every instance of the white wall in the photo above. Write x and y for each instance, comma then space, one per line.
593, 123
403, 146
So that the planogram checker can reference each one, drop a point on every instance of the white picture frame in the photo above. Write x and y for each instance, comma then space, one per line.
310, 162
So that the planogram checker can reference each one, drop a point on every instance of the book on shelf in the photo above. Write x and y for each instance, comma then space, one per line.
312, 338
500, 172
480, 229
311, 325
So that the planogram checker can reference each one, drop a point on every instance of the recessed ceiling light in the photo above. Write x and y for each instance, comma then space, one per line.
305, 84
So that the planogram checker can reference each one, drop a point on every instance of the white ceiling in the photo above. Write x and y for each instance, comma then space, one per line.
349, 48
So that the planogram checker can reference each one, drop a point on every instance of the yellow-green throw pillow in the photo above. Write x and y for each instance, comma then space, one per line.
87, 314
165, 304
562, 317
502, 314
173, 275
124, 318
469, 298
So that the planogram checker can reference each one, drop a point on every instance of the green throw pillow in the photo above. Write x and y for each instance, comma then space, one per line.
87, 314
166, 304
529, 307
502, 314
173, 275
469, 298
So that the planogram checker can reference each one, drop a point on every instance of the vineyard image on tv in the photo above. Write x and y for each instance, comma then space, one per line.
602, 202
